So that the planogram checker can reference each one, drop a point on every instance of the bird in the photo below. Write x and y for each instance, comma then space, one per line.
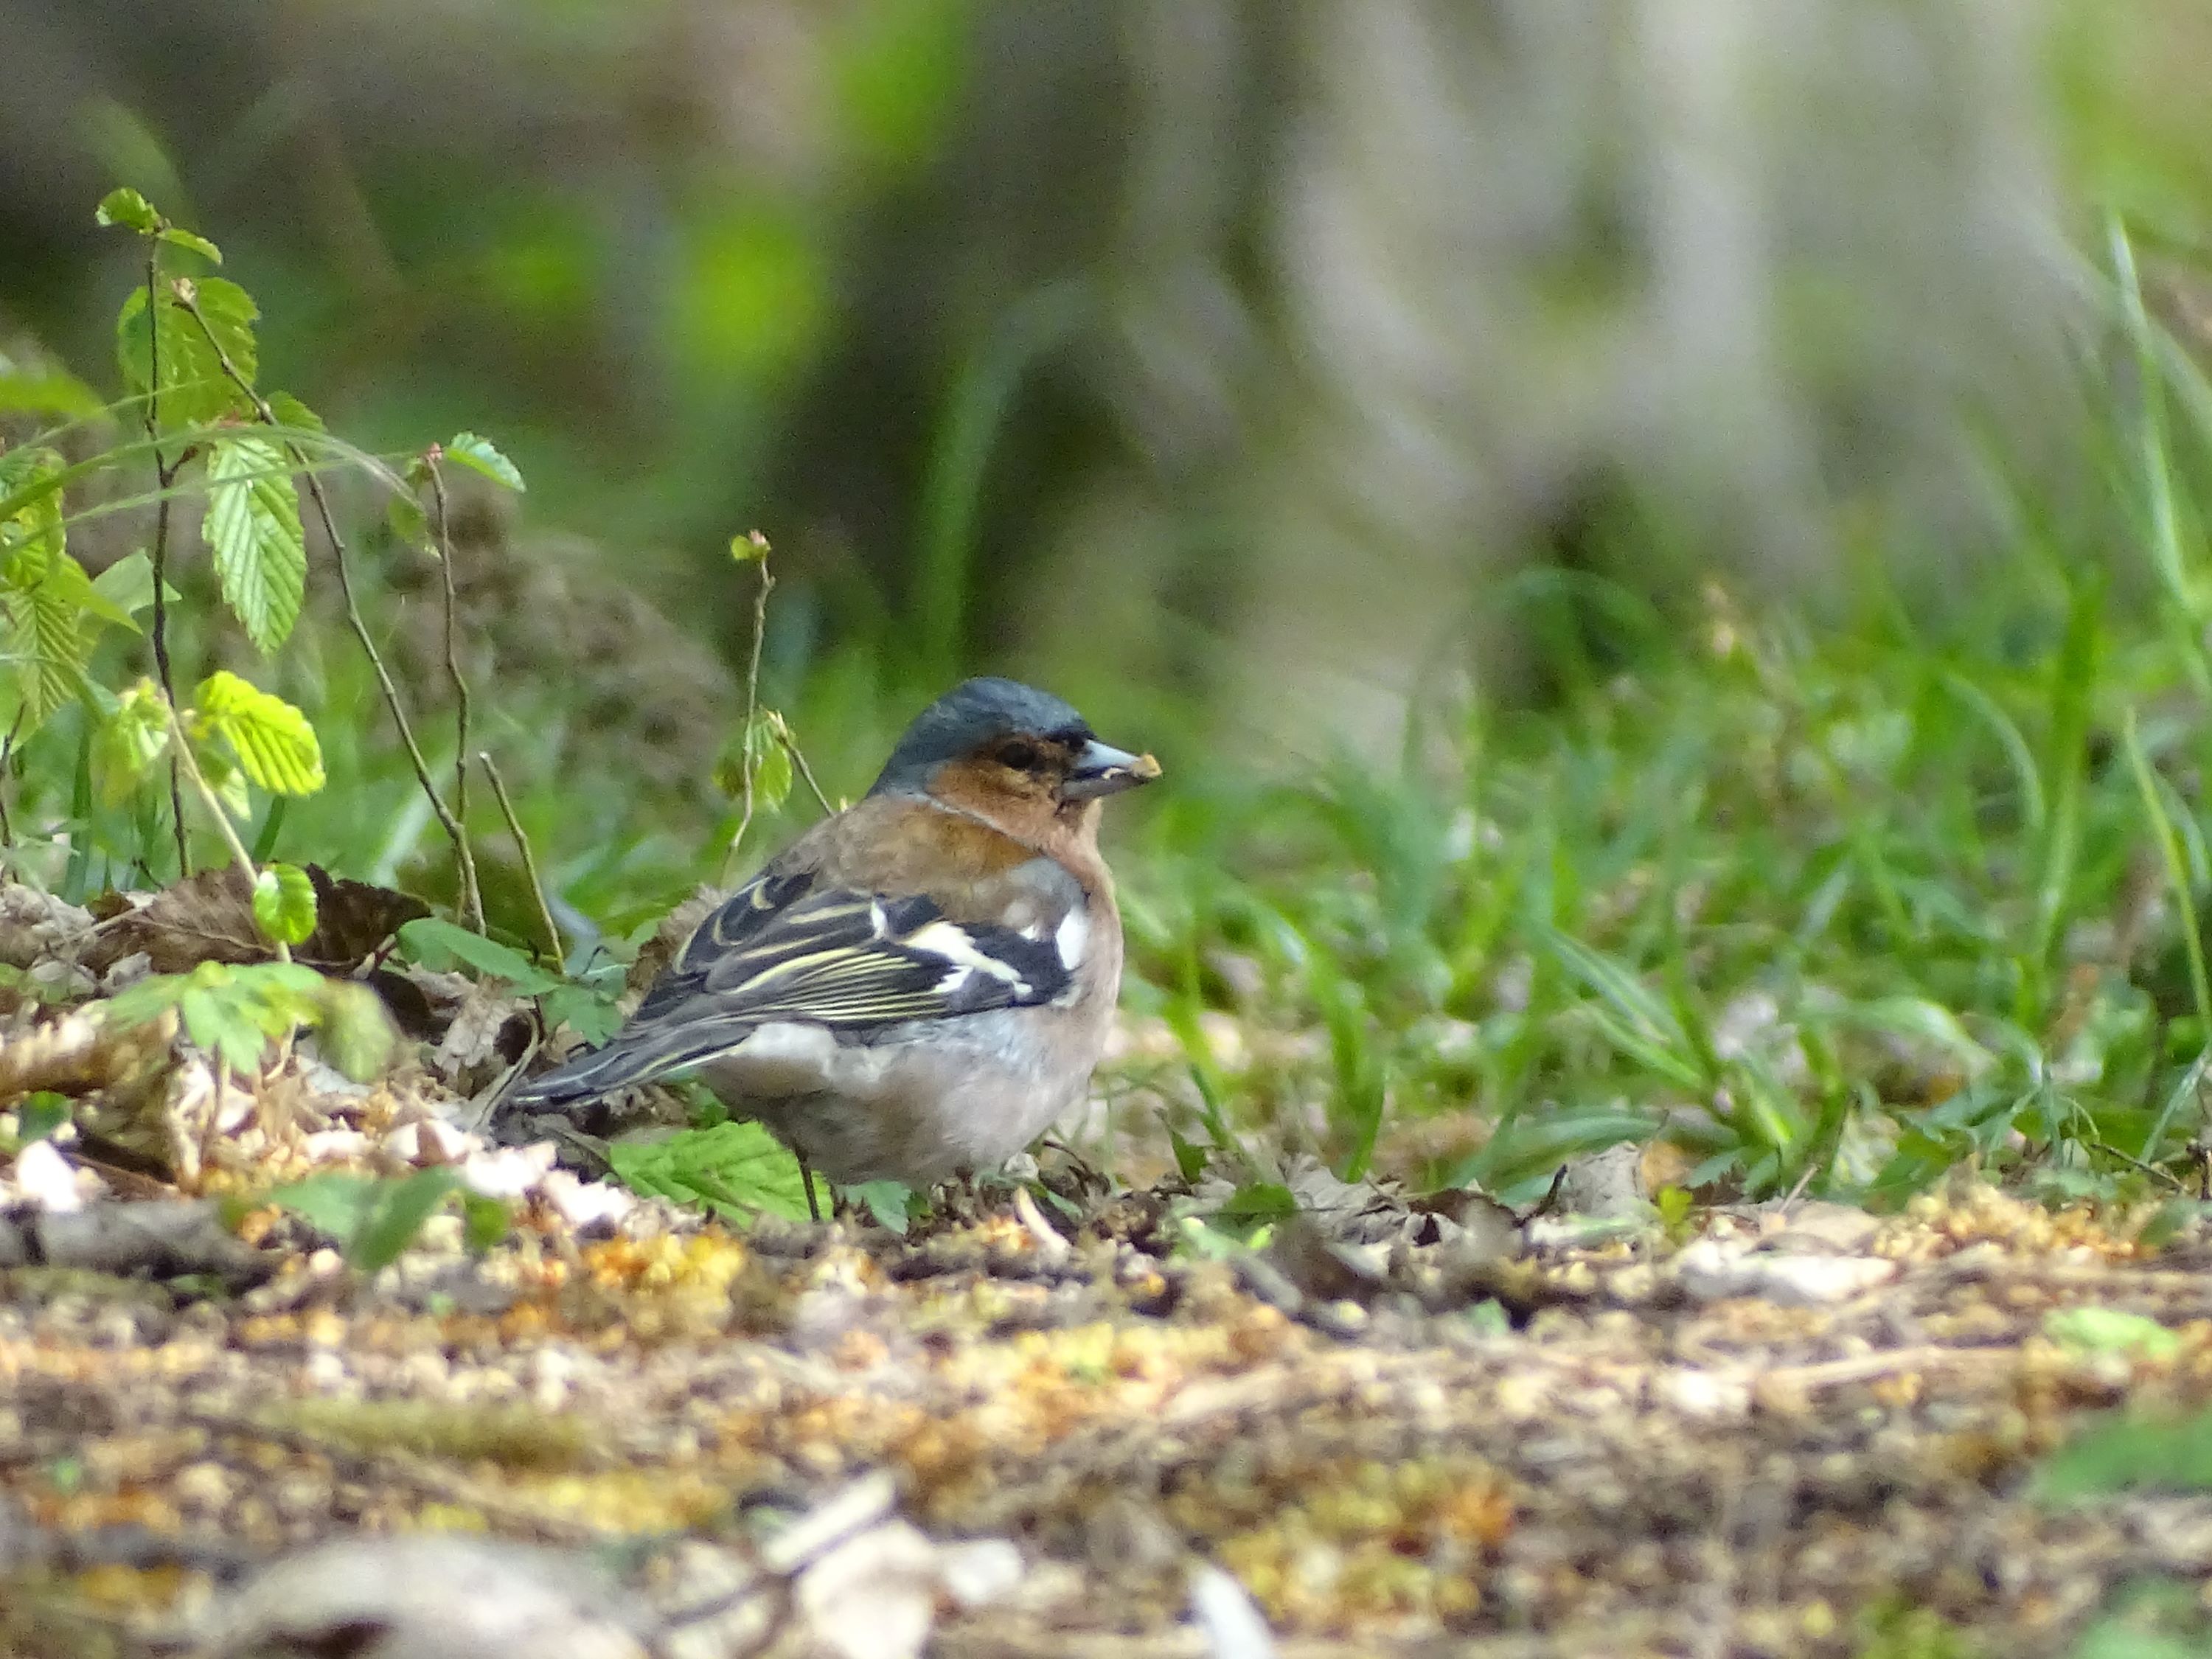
918, 986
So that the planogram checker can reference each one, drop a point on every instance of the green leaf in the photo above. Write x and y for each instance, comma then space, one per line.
191, 242
127, 586
772, 775
285, 904
253, 527
333, 1204
437, 944
396, 1212
738, 1171
231, 1009
129, 210
1258, 1201
2110, 1330
49, 600
480, 455
750, 548
273, 741
1190, 1162
887, 1200
44, 390
353, 1030
591, 1014
38, 1114
407, 520
484, 1222
219, 1022
291, 412
194, 390
2131, 1453
373, 1221
227, 784
31, 535
129, 741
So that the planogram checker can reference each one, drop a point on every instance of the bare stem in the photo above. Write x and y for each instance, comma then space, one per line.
7, 754
390, 691
180, 751
471, 894
529, 860
748, 762
165, 473
798, 759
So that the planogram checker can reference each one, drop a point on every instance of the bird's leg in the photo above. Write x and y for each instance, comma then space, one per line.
806, 1178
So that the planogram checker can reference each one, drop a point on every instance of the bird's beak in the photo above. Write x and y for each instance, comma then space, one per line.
1103, 769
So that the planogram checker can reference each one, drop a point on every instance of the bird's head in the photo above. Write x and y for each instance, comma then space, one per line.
1011, 754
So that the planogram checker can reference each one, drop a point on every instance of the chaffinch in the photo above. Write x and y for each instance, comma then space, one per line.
921, 983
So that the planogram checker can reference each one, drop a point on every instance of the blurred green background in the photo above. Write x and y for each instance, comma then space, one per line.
1181, 354
1579, 449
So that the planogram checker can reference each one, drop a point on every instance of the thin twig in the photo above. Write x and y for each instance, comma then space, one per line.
165, 475
7, 755
805, 772
529, 861
181, 750
189, 300
471, 894
748, 762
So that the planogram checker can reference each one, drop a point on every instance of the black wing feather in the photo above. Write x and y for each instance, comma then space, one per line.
783, 949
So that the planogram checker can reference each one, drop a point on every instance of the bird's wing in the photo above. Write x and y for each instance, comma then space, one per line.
791, 947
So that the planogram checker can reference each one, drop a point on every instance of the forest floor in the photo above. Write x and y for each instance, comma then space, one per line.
1792, 1430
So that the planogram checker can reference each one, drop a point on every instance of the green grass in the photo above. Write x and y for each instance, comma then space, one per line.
1833, 906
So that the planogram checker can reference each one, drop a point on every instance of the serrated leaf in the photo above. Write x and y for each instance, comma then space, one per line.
284, 902
129, 741
437, 944
30, 531
272, 740
219, 1023
481, 455
49, 644
194, 390
224, 1005
127, 208
191, 241
127, 586
253, 527
736, 1169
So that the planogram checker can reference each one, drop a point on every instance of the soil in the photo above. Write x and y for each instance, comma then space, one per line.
1789, 1431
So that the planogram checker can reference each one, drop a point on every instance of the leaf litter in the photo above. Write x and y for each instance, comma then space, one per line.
1056, 1416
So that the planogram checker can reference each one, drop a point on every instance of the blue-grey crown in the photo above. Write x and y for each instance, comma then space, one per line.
966, 718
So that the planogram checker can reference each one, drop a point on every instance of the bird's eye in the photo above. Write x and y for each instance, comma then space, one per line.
1018, 755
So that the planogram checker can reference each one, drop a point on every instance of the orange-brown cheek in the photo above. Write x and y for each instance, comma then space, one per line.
1025, 808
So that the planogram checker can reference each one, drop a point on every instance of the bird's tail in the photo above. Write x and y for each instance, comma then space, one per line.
632, 1058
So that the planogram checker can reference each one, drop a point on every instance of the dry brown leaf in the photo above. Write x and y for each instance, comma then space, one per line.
209, 918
